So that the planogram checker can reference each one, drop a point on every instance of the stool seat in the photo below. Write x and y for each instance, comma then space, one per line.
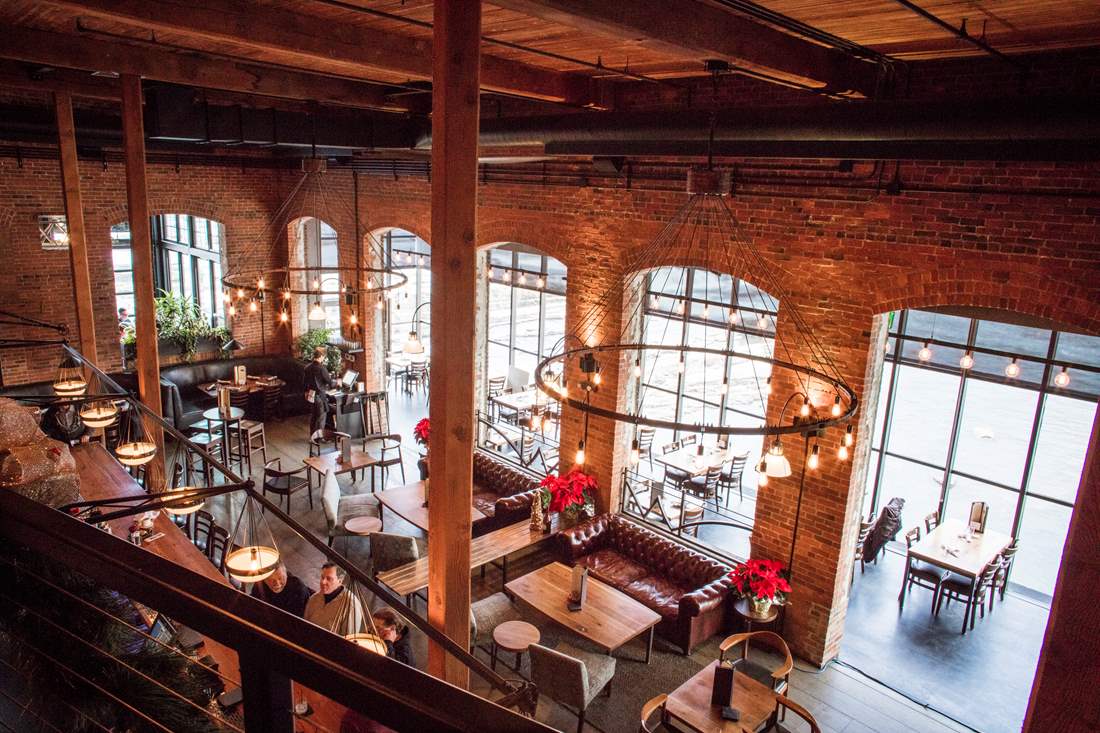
363, 525
514, 637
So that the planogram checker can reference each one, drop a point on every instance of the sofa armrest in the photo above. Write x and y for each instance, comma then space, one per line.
585, 538
701, 600
512, 508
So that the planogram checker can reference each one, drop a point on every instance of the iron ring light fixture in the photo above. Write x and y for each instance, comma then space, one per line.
806, 425
278, 281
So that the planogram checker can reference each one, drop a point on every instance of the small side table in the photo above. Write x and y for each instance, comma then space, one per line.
744, 610
514, 637
364, 525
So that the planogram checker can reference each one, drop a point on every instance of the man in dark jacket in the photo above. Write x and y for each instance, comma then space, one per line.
283, 590
317, 381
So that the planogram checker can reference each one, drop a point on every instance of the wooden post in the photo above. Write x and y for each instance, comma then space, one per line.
455, 51
141, 245
74, 216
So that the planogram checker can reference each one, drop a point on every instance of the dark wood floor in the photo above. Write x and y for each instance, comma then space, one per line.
982, 679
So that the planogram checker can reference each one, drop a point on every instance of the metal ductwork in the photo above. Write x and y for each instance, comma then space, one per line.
1015, 129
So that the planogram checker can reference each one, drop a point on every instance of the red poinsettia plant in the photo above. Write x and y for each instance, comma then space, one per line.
762, 580
422, 431
573, 492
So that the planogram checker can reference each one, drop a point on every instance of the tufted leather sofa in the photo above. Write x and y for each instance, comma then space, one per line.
186, 402
502, 493
688, 589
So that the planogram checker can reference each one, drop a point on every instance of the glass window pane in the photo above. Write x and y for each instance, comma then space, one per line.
526, 324
185, 229
917, 484
923, 411
216, 236
995, 430
498, 360
669, 280
206, 298
1042, 540
1012, 338
500, 312
188, 285
1078, 348
883, 398
554, 325
925, 325
175, 280
170, 227
1002, 502
124, 283
1060, 451
122, 257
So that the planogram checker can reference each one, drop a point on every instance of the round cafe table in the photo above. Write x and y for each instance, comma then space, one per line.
515, 637
364, 525
226, 418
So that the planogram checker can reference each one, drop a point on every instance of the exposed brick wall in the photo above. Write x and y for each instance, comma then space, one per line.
1019, 236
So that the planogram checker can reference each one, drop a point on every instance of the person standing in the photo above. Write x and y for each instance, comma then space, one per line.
283, 590
333, 607
317, 382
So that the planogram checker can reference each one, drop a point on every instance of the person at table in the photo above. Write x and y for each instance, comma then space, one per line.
317, 382
395, 632
284, 590
334, 607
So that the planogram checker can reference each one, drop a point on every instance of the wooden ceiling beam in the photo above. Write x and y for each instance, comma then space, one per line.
699, 30
76, 52
305, 39
17, 75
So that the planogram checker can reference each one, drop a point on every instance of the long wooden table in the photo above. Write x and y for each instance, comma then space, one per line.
102, 477
495, 545
689, 704
407, 502
609, 618
688, 460
946, 547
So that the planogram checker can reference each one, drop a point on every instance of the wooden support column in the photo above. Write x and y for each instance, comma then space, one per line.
141, 246
456, 48
74, 216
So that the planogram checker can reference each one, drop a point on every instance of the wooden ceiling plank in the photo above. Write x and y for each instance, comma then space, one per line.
308, 38
67, 51
692, 27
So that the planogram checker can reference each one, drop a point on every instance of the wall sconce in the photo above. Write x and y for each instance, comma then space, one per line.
53, 231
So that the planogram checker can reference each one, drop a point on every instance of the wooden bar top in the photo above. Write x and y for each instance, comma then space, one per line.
413, 576
690, 703
407, 502
102, 477
609, 618
970, 558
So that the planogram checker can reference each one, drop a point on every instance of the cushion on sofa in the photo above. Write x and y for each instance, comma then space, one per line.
485, 502
613, 568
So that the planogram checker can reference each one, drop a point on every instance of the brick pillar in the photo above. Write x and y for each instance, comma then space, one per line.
589, 280
829, 519
1064, 696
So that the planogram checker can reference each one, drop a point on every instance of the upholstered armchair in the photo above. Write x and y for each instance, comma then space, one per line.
571, 676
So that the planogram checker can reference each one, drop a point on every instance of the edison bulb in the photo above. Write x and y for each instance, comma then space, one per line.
252, 307
227, 297
706, 311
804, 411
763, 480
260, 284
814, 461
966, 361
1012, 370
842, 452
836, 407
580, 454
724, 388
635, 453
637, 368
768, 386
522, 279
540, 283
232, 310
283, 317
680, 365
353, 319
286, 295
1061, 379
925, 354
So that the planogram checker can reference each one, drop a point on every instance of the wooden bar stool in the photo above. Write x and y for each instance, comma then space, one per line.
514, 637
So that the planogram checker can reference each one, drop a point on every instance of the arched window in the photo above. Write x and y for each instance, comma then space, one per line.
188, 257
526, 309
412, 256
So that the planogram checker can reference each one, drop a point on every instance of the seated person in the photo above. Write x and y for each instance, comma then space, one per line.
395, 632
283, 590
334, 607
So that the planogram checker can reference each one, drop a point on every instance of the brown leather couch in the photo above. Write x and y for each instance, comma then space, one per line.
502, 493
689, 590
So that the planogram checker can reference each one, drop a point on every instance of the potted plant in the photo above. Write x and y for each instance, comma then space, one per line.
572, 496
763, 582
422, 431
182, 329
315, 337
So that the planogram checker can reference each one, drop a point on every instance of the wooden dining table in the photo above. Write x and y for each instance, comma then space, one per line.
407, 502
253, 384
950, 547
688, 460
523, 400
689, 704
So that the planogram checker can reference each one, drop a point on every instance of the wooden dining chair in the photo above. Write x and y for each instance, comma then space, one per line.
730, 478
920, 573
932, 521
1000, 580
670, 448
958, 588
706, 486
782, 705
864, 532
655, 704
776, 678
689, 440
495, 389
645, 445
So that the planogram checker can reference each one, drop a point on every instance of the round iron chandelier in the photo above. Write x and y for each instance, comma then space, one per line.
756, 364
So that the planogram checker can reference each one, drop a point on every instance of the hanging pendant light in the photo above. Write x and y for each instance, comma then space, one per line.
100, 414
316, 311
925, 354
849, 437
252, 306
256, 556
804, 410
635, 453
813, 461
1061, 379
638, 368
836, 408
580, 454
966, 361
182, 506
135, 449
774, 463
370, 642
283, 316
413, 344
70, 378
762, 471
1012, 370
842, 452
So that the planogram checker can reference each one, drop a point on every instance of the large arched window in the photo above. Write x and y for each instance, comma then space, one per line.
314, 246
526, 318
407, 308
188, 257
992, 411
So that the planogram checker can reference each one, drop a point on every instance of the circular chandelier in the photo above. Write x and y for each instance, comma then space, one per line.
370, 282
759, 366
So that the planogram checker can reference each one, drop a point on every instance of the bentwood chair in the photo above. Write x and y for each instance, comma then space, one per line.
654, 705
284, 483
571, 676
203, 527
777, 678
972, 595
389, 455
920, 573
218, 547
782, 705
